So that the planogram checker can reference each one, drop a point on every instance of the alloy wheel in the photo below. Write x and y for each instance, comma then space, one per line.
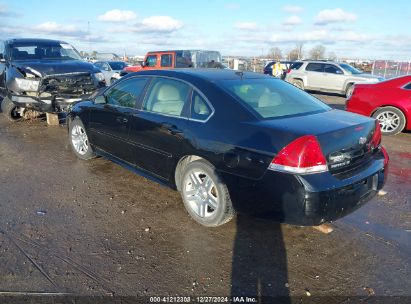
79, 139
201, 193
389, 121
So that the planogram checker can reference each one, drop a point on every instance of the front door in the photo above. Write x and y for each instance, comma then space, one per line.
335, 77
158, 128
110, 122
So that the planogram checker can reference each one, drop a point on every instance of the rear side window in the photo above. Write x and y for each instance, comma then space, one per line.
271, 98
314, 67
200, 110
167, 96
166, 60
126, 93
408, 86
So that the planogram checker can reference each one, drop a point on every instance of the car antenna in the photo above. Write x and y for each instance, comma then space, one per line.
240, 73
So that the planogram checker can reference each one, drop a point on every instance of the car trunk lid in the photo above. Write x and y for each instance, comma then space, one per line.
345, 138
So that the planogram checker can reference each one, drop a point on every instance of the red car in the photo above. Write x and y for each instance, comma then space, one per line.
388, 101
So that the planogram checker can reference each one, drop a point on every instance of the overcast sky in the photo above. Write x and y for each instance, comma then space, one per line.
350, 28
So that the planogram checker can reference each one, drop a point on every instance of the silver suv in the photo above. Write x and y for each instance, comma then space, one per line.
327, 76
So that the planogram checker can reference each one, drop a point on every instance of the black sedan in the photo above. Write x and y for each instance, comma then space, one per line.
235, 142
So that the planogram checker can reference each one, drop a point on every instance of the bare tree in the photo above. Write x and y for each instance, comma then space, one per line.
299, 47
293, 55
275, 53
317, 52
296, 53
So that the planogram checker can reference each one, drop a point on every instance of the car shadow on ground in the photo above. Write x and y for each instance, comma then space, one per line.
259, 267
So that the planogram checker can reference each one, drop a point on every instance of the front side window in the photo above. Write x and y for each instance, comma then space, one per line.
332, 69
315, 67
167, 96
296, 65
200, 110
126, 93
166, 60
151, 61
271, 98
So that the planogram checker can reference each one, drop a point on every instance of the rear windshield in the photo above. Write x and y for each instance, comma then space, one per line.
350, 69
273, 98
117, 65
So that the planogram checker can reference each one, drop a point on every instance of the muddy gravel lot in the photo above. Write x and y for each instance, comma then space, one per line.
93, 228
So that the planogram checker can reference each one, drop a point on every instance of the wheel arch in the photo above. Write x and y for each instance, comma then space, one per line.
181, 164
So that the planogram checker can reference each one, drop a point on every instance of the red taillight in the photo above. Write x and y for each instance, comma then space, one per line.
288, 71
376, 137
302, 156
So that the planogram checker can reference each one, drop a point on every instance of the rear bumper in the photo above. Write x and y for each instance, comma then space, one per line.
309, 200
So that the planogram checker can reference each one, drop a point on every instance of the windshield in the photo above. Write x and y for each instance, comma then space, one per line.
117, 65
273, 98
350, 69
43, 50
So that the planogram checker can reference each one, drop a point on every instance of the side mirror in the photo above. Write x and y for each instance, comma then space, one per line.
100, 99
143, 64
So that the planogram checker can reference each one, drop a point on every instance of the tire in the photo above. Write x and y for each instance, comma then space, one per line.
9, 109
392, 120
349, 90
205, 196
79, 140
298, 83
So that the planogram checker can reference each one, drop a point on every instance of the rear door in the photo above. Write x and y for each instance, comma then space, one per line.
315, 77
158, 128
110, 122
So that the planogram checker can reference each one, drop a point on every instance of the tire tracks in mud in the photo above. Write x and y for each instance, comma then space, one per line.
17, 239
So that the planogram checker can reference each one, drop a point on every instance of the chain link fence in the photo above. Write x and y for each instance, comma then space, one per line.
390, 69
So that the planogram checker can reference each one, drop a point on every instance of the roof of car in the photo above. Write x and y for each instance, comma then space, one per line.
32, 40
205, 74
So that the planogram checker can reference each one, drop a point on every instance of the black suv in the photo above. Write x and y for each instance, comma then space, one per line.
44, 75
